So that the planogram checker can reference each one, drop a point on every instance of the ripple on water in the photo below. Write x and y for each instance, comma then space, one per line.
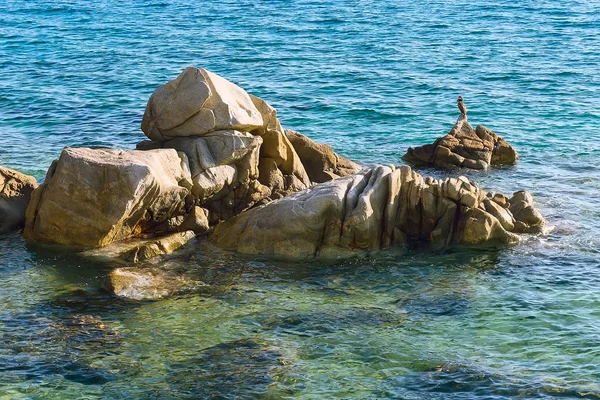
410, 323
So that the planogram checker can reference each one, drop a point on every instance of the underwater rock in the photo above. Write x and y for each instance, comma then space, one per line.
94, 197
465, 147
372, 210
136, 250
244, 368
149, 282
322, 164
15, 194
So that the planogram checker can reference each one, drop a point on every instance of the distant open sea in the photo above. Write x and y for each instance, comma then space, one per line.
370, 78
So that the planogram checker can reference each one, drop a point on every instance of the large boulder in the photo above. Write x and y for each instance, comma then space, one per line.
93, 197
372, 210
322, 164
465, 147
198, 102
15, 194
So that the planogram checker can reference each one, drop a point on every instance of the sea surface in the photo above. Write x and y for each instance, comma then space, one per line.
370, 78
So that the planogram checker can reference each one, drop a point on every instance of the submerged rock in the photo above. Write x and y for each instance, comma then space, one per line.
149, 282
371, 210
244, 368
465, 147
94, 197
15, 194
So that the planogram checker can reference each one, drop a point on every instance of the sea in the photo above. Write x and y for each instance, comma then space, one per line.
369, 78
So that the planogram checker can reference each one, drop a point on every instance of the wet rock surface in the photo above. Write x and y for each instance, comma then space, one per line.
137, 250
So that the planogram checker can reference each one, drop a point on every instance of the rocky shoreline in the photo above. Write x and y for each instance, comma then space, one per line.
218, 163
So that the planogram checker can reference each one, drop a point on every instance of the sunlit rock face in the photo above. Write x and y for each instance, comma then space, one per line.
93, 197
321, 162
377, 208
465, 147
237, 151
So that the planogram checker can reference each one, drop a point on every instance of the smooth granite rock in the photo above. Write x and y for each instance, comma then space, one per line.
198, 102
371, 210
94, 197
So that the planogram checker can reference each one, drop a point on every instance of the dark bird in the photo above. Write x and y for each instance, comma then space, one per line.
461, 106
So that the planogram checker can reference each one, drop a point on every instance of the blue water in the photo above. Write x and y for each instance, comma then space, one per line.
371, 78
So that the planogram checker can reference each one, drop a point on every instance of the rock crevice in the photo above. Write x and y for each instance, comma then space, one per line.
375, 209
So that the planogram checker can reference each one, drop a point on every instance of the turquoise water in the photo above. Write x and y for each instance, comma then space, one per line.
370, 78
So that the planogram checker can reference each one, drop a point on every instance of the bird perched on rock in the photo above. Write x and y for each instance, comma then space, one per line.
461, 106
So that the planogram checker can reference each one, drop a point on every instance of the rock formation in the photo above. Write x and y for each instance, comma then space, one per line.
93, 197
465, 147
15, 193
238, 153
320, 161
214, 152
224, 170
375, 209
217, 153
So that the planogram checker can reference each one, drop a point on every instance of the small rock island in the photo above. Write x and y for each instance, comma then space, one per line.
464, 147
219, 163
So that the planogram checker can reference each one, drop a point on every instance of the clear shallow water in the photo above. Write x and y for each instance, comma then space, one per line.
371, 79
